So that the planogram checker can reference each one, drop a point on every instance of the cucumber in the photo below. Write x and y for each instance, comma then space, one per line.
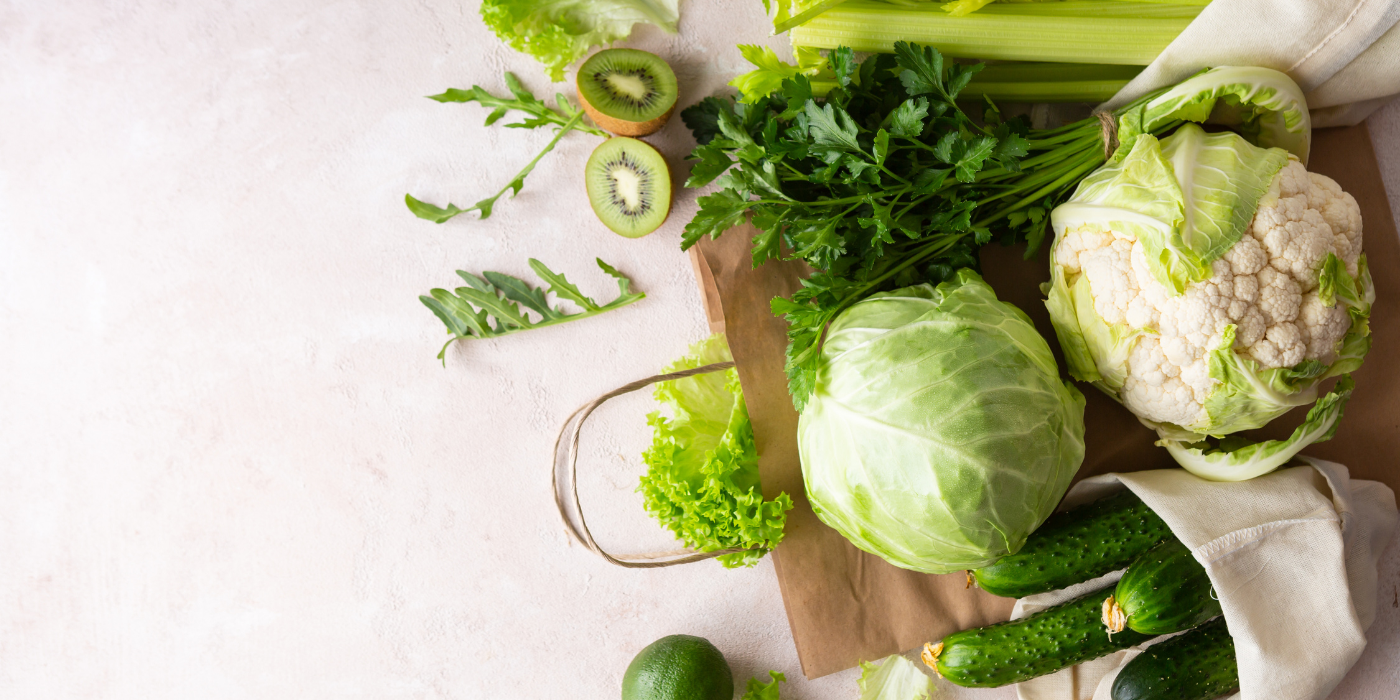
1011, 652
1198, 665
1164, 590
1076, 545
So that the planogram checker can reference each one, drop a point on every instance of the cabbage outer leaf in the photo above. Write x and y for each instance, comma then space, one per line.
559, 32
894, 678
758, 690
1263, 104
702, 479
940, 433
1246, 460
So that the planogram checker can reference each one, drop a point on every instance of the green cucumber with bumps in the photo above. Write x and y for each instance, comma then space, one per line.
1076, 545
1198, 665
1045, 642
1164, 590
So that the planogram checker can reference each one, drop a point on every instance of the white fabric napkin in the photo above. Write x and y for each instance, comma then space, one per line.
1292, 556
1345, 54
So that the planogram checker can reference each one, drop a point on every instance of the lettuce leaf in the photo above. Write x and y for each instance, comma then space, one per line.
758, 690
702, 467
895, 678
559, 32
1237, 459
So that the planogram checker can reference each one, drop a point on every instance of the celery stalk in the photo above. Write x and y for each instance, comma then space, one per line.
1050, 82
1099, 33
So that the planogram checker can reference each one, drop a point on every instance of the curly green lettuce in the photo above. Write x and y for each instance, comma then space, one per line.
559, 32
702, 479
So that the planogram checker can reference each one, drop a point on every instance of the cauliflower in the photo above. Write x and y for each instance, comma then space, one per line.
1197, 281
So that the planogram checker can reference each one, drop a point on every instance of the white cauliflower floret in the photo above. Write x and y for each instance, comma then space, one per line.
1266, 286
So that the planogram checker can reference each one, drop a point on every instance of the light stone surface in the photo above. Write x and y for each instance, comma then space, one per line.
232, 466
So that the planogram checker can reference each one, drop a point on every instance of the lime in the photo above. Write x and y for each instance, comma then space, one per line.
678, 667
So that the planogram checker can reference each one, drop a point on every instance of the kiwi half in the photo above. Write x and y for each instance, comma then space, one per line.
629, 186
626, 91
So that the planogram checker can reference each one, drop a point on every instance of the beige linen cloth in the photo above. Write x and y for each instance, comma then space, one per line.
1292, 556
1344, 54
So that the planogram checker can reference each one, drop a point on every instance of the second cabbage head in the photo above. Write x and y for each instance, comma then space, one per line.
940, 433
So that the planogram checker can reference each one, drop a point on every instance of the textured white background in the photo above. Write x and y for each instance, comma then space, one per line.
231, 466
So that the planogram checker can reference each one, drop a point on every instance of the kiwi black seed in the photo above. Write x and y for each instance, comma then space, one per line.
629, 186
626, 91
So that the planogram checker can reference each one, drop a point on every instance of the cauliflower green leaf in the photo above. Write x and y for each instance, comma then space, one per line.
559, 32
702, 479
894, 678
1261, 103
1237, 459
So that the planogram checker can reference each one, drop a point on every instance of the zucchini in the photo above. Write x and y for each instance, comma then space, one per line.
1011, 652
1164, 590
1076, 545
1198, 665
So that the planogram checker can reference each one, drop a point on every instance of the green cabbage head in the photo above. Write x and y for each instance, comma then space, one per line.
940, 433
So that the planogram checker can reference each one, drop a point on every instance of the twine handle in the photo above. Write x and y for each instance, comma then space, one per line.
566, 451
1109, 126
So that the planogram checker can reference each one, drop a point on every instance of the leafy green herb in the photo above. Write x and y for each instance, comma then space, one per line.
469, 311
537, 114
559, 32
885, 182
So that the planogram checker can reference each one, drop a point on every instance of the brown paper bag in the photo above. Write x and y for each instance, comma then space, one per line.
846, 606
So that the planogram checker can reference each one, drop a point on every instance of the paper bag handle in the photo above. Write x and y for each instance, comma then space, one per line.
566, 451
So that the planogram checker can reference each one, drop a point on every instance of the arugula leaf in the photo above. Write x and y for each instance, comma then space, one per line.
537, 114
559, 32
468, 311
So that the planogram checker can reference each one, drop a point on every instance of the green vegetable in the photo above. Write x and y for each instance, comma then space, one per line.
1198, 665
1238, 459
468, 311
1076, 545
1019, 650
565, 119
960, 8
894, 678
678, 667
1089, 31
1207, 283
1164, 590
1013, 81
559, 32
1264, 105
939, 434
758, 690
702, 479
885, 183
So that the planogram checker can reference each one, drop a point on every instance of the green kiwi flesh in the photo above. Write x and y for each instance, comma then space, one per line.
626, 91
629, 186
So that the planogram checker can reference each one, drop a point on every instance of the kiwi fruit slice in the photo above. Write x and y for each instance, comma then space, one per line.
626, 91
629, 186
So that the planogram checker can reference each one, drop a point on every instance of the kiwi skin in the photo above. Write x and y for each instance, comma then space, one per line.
621, 127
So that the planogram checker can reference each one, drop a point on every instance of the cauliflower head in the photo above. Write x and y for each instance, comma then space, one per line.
1207, 284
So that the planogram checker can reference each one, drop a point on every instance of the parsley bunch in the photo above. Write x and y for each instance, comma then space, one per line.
884, 183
